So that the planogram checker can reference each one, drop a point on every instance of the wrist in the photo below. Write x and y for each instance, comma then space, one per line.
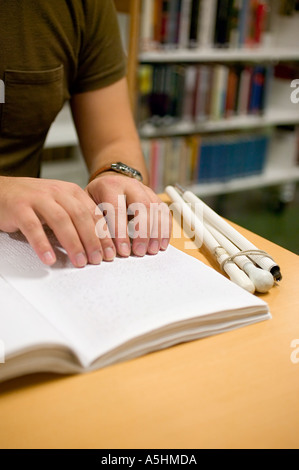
118, 167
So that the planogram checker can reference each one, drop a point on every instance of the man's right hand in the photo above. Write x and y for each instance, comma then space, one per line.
27, 203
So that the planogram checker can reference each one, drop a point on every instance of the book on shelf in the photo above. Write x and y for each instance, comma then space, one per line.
206, 159
197, 24
198, 92
221, 159
67, 320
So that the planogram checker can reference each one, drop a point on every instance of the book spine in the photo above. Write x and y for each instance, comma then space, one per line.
157, 22
244, 90
261, 15
190, 83
147, 26
257, 86
194, 22
146, 151
178, 21
145, 83
153, 164
164, 21
160, 165
251, 31
185, 18
192, 143
234, 24
203, 162
207, 23
231, 97
184, 164
243, 22
173, 158
222, 27
174, 8
231, 159
179, 91
268, 82
203, 93
195, 97
219, 91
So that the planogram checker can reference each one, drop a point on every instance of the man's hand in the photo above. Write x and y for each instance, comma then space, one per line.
120, 198
27, 203
76, 218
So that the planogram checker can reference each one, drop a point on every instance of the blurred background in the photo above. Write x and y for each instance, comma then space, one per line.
216, 103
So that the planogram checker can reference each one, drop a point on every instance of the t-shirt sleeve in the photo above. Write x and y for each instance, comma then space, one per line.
102, 60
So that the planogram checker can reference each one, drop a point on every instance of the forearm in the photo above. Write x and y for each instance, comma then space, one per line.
106, 128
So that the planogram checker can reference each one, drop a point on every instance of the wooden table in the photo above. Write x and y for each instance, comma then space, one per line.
235, 390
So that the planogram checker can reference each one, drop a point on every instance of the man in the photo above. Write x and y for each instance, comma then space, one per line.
57, 50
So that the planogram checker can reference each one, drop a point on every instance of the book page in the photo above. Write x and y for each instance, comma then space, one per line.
21, 326
98, 308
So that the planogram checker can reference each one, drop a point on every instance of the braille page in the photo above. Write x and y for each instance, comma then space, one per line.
21, 326
28, 343
99, 308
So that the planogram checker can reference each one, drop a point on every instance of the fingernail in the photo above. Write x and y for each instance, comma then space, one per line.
96, 257
164, 243
109, 253
140, 249
48, 258
124, 249
81, 260
154, 247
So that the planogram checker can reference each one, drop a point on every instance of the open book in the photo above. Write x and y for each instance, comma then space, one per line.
67, 320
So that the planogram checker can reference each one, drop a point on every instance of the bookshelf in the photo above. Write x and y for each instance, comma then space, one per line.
277, 44
280, 46
220, 55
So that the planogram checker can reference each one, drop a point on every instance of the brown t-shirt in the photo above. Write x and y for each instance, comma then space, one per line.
50, 50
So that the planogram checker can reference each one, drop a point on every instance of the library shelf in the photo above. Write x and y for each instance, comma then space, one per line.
257, 54
245, 122
271, 177
63, 132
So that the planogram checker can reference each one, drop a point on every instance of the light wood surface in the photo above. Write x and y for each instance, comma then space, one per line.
235, 390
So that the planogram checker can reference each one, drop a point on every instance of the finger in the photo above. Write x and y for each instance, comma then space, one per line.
155, 233
115, 209
166, 225
91, 226
140, 224
162, 218
60, 222
103, 233
31, 227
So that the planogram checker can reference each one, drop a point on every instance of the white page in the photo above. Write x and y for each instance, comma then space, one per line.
21, 326
99, 307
